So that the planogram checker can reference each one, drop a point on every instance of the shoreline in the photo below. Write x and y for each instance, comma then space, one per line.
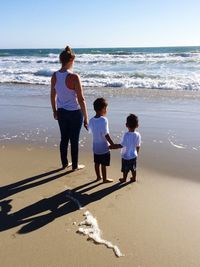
167, 123
109, 91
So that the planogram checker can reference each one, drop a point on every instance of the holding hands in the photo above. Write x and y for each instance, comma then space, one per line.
115, 146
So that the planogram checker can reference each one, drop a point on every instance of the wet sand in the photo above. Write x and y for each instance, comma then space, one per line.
154, 221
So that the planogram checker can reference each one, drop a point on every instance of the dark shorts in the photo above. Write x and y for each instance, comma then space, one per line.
129, 165
103, 159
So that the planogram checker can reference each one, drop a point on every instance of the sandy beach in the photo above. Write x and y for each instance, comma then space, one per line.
154, 222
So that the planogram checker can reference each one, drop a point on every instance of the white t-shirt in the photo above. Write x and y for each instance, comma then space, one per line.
130, 141
99, 128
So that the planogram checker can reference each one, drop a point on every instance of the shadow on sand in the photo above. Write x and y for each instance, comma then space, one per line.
54, 207
31, 182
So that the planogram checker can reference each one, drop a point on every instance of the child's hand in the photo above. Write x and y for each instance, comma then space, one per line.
115, 146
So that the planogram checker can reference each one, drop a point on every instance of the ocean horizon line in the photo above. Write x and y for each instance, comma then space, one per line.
103, 47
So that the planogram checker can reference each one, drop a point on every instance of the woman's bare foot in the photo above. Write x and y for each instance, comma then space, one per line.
108, 180
66, 166
122, 180
80, 167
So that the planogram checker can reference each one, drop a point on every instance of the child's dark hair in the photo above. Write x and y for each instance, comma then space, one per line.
132, 121
66, 55
99, 104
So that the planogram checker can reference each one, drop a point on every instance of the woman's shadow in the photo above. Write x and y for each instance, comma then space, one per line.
31, 182
54, 207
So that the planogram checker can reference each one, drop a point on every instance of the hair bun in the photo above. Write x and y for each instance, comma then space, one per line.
66, 55
67, 49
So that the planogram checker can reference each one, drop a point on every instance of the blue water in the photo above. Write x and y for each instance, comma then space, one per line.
170, 68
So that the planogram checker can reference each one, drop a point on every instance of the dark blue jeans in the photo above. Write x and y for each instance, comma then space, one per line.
70, 123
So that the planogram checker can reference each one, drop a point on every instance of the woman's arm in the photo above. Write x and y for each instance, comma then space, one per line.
81, 99
53, 96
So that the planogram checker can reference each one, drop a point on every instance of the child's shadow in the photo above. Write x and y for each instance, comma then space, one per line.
56, 206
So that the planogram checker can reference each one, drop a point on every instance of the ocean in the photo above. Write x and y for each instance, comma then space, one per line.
166, 68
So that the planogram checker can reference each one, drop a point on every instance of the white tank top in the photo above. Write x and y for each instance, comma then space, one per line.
66, 97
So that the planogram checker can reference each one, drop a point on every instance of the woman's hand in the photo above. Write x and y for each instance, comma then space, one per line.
86, 124
55, 115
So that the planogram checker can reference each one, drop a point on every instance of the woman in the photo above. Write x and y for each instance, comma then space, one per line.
69, 107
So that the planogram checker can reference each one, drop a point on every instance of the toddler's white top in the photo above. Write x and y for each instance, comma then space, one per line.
130, 141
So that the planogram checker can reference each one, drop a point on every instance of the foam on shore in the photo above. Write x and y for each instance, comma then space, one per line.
175, 145
90, 228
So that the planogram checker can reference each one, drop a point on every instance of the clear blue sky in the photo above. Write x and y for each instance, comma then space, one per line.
99, 23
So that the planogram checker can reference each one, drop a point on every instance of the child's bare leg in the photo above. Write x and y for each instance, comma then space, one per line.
122, 180
104, 175
133, 178
97, 170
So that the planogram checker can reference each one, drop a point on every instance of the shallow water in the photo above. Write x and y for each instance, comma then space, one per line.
169, 125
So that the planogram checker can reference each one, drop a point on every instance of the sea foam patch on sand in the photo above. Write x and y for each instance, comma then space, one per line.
89, 227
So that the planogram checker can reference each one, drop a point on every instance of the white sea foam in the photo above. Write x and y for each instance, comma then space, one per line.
53, 55
90, 228
194, 148
44, 72
119, 68
176, 145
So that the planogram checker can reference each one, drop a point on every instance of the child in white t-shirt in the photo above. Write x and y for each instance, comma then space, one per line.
98, 126
130, 146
